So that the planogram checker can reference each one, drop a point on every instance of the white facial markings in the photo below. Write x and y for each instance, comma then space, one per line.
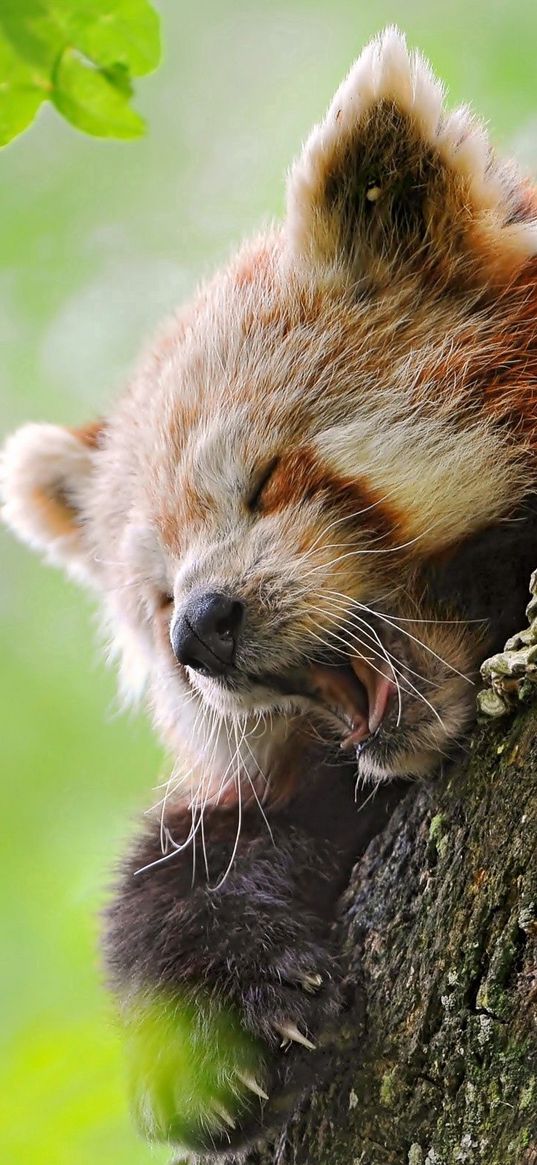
442, 480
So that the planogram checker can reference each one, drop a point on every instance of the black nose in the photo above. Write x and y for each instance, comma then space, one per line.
205, 634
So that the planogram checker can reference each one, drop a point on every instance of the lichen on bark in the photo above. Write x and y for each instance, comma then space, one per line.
434, 1059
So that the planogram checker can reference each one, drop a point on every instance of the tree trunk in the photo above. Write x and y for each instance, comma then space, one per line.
434, 1061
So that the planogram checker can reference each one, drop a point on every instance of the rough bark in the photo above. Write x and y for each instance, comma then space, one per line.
435, 1059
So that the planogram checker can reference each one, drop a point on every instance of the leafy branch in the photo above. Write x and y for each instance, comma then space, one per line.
81, 55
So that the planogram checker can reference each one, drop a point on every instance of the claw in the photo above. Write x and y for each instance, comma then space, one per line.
290, 1034
223, 1114
311, 983
251, 1083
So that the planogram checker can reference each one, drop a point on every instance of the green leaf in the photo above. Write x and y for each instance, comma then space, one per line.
81, 55
113, 32
18, 107
32, 31
20, 94
89, 100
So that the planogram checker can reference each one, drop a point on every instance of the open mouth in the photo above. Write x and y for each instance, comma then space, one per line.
358, 694
353, 691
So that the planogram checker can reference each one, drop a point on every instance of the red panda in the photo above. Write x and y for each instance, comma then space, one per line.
308, 519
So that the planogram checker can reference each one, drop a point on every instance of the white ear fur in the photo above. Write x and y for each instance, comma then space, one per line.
494, 201
45, 473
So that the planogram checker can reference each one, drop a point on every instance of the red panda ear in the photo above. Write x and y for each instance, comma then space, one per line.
46, 474
391, 181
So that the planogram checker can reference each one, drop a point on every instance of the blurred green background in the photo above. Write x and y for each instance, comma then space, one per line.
98, 241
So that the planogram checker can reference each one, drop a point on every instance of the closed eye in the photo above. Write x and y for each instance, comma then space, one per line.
255, 499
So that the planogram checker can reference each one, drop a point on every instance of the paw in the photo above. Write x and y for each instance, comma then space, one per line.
207, 1077
511, 675
195, 1075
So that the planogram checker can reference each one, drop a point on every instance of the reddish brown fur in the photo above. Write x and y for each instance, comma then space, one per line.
90, 434
302, 476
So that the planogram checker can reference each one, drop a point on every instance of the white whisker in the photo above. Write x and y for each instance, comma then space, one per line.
387, 619
349, 616
239, 819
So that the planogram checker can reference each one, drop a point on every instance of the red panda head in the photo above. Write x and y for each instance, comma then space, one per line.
283, 514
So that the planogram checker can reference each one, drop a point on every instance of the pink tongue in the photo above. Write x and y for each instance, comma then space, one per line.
339, 688
379, 688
